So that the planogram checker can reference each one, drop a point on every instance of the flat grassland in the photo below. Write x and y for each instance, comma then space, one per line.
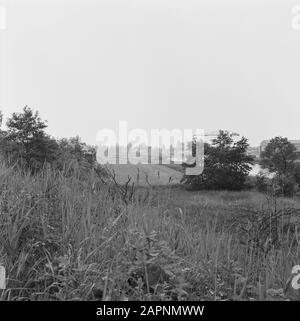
144, 175
69, 236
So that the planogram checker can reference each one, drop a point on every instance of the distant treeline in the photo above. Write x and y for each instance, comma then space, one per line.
24, 143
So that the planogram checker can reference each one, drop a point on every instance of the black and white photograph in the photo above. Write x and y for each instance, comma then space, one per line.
149, 155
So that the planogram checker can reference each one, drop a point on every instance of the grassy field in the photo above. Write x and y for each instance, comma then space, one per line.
145, 175
68, 236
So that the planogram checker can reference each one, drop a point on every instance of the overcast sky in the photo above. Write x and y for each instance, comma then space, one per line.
208, 64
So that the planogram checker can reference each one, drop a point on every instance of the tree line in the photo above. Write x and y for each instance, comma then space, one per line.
25, 143
227, 164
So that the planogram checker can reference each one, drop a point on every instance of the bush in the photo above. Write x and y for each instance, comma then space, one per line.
250, 183
280, 157
296, 173
227, 165
284, 185
261, 183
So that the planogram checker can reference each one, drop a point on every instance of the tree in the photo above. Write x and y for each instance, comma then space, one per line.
74, 153
226, 164
26, 140
22, 127
279, 156
296, 173
43, 149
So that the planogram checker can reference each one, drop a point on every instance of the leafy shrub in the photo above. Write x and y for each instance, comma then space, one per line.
261, 183
226, 165
284, 185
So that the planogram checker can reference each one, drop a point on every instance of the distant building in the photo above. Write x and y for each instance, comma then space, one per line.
254, 151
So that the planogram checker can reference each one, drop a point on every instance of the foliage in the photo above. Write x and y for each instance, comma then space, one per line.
22, 127
67, 234
296, 173
61, 240
25, 141
226, 164
73, 153
279, 156
284, 185
261, 182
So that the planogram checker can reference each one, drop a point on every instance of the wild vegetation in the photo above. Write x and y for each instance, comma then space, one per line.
68, 231
281, 158
227, 164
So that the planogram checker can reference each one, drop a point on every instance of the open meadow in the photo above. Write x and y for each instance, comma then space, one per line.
68, 236
145, 174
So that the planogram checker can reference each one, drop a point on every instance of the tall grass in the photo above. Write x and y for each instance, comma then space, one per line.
63, 239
